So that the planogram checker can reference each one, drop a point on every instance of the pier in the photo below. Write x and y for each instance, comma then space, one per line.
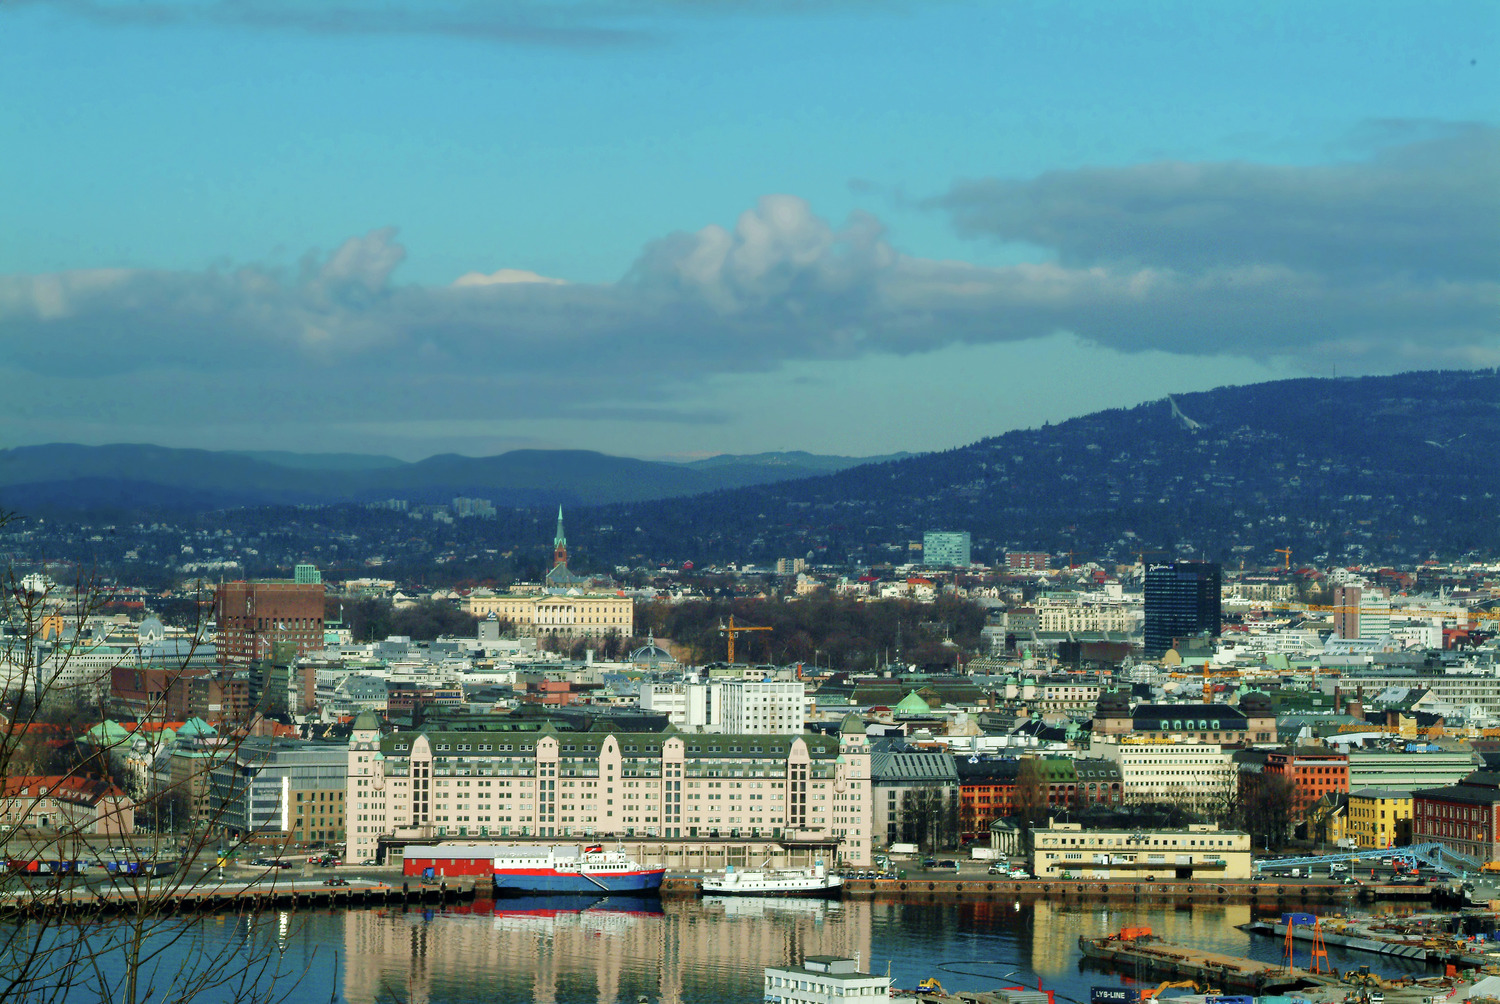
234, 897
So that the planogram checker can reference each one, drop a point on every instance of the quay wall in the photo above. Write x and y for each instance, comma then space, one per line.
1291, 895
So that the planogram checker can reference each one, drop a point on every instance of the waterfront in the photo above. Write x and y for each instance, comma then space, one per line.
697, 952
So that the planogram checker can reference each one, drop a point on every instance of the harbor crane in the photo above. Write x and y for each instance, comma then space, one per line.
730, 631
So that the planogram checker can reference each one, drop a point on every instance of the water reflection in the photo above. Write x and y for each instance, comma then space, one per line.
570, 950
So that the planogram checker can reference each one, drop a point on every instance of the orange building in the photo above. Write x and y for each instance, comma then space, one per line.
986, 792
1314, 772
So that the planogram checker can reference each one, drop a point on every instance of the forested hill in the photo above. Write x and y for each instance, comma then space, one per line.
1374, 469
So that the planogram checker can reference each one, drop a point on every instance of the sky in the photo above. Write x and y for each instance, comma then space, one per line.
688, 227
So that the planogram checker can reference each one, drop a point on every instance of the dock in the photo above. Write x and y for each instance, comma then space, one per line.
1435, 947
233, 896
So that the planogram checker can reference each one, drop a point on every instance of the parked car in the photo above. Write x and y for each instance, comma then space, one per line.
929, 862
1020, 873
947, 865
999, 869
335, 880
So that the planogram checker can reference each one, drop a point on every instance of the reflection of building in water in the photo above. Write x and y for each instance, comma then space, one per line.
1057, 927
525, 950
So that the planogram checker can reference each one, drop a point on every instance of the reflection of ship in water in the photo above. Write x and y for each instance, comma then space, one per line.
600, 915
756, 907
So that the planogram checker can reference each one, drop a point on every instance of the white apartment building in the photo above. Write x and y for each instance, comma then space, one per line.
1473, 689
1066, 694
1195, 775
745, 707
686, 705
762, 707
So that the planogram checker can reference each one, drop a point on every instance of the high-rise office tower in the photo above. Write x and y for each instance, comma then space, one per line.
1182, 600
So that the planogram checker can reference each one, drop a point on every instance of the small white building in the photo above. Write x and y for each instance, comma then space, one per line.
823, 979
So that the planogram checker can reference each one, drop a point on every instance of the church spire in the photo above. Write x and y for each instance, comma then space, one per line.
559, 543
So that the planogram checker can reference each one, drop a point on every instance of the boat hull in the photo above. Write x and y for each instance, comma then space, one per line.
547, 882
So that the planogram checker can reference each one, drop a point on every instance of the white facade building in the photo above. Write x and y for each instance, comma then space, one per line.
1191, 774
769, 707
823, 979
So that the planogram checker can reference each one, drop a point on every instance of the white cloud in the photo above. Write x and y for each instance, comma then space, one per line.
505, 277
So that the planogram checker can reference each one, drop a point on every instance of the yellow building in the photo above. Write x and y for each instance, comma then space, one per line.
1202, 851
1379, 817
587, 616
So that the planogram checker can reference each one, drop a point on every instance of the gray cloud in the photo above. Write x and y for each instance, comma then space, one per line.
1376, 266
521, 22
1427, 208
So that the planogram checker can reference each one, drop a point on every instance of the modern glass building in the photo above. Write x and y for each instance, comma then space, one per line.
1182, 600
946, 549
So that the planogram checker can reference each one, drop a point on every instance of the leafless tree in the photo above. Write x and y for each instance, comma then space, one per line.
80, 920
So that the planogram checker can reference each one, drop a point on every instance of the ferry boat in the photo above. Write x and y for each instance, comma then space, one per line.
814, 881
588, 870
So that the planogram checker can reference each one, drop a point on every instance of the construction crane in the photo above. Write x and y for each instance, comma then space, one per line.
1287, 552
731, 631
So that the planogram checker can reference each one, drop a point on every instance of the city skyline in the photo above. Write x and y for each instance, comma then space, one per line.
663, 230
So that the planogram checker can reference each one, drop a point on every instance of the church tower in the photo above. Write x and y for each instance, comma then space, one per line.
559, 543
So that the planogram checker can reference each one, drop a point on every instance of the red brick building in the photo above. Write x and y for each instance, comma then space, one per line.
253, 617
146, 692
1464, 817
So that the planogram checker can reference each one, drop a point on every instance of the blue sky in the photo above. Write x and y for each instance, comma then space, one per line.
835, 226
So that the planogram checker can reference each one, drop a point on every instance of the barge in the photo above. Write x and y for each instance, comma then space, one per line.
1135, 949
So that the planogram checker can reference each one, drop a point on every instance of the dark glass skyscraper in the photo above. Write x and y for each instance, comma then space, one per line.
1182, 599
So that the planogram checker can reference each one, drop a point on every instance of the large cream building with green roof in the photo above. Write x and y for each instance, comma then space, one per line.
516, 781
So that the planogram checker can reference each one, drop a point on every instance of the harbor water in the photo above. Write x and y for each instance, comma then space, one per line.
571, 950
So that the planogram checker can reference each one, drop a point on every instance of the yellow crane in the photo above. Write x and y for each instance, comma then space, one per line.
1147, 995
731, 631
1287, 551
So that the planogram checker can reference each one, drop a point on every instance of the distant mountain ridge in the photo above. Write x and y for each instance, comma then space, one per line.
125, 476
1348, 470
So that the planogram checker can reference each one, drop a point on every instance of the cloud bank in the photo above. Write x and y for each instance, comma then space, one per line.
1378, 265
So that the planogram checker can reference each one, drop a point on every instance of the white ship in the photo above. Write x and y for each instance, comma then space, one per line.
814, 881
